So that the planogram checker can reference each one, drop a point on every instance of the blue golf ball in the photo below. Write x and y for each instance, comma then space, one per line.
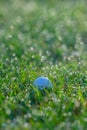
42, 83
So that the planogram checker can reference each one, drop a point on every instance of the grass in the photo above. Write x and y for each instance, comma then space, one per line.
46, 38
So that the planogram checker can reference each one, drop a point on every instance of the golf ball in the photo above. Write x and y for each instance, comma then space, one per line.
42, 83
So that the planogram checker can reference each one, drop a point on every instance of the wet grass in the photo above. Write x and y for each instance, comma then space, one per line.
46, 38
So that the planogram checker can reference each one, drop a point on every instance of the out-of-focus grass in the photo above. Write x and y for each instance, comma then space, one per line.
43, 38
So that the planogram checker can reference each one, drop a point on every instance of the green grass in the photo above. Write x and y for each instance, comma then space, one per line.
49, 38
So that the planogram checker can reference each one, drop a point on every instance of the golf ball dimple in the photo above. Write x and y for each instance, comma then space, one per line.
42, 83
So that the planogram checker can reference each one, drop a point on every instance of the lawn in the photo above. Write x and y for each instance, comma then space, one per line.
43, 38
